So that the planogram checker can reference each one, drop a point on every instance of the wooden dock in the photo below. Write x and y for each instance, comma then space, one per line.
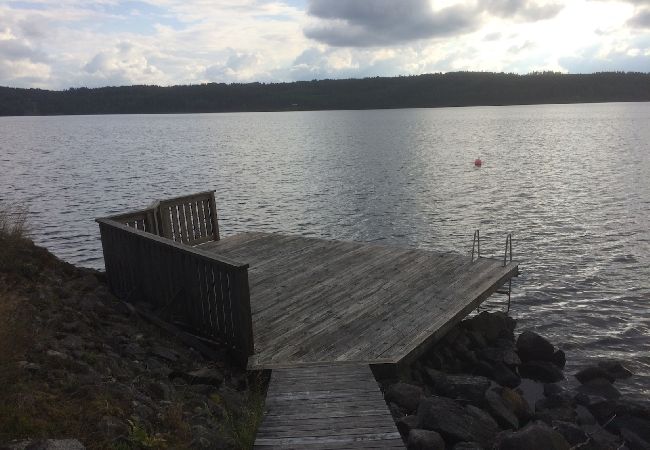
319, 407
316, 301
318, 312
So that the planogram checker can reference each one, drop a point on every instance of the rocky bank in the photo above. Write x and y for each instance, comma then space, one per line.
484, 387
80, 369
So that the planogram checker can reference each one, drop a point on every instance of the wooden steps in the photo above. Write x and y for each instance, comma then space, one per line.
326, 407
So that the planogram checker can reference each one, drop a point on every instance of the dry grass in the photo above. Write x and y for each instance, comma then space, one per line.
13, 234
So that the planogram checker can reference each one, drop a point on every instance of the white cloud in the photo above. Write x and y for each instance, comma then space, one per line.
78, 43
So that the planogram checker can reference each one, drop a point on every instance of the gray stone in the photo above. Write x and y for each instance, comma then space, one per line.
600, 387
573, 434
506, 356
46, 444
160, 391
164, 353
559, 358
113, 427
464, 387
425, 440
500, 410
616, 369
517, 404
533, 347
633, 425
491, 325
405, 395
593, 372
205, 375
535, 436
406, 424
456, 422
504, 376
543, 371
467, 446
56, 354
634, 441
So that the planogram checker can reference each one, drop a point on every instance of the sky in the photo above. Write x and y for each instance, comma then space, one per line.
58, 44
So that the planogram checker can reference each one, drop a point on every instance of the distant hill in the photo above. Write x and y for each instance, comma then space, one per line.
420, 91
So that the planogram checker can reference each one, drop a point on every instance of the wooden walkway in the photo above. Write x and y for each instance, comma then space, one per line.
318, 301
326, 407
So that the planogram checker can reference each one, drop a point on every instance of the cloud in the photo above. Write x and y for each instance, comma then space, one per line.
372, 23
641, 18
591, 60
526, 10
239, 66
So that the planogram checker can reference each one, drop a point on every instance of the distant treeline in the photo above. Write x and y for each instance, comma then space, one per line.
433, 90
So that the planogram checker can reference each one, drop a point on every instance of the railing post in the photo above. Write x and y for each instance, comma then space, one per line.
244, 315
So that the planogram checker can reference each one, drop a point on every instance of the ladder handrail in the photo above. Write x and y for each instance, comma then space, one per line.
508, 247
476, 242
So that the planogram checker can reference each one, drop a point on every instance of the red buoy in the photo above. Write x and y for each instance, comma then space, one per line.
478, 162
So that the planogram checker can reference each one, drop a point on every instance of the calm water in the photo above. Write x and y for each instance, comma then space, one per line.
571, 182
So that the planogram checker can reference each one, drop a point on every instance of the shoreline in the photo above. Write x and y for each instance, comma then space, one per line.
96, 373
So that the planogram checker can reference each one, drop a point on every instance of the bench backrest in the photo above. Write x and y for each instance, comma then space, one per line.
144, 220
191, 219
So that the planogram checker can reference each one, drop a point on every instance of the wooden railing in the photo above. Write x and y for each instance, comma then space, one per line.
208, 293
144, 220
191, 219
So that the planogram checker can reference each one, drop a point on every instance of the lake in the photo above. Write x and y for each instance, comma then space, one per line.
571, 182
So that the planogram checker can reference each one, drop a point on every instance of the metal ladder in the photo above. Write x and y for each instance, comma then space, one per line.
507, 257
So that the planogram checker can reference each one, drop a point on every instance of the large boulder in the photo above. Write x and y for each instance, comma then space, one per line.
543, 371
404, 395
500, 410
600, 387
492, 325
517, 404
507, 356
425, 440
470, 388
593, 372
535, 436
615, 368
455, 422
533, 347
573, 434
406, 424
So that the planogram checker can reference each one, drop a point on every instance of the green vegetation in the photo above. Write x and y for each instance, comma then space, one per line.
13, 234
432, 90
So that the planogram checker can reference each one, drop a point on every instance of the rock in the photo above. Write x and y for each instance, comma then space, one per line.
543, 371
504, 376
559, 358
56, 354
602, 409
477, 340
517, 404
29, 366
491, 325
593, 372
206, 375
535, 436
164, 353
573, 434
500, 410
638, 429
435, 377
46, 444
467, 446
405, 395
464, 387
556, 407
615, 369
425, 440
601, 439
553, 389
533, 347
502, 355
112, 427
406, 424
456, 422
160, 391
600, 387
72, 342
634, 441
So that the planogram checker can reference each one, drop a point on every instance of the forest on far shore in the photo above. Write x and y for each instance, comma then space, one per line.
417, 91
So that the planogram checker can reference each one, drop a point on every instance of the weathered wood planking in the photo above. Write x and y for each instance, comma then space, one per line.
315, 301
326, 407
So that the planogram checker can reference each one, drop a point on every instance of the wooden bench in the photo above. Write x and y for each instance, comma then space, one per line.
189, 219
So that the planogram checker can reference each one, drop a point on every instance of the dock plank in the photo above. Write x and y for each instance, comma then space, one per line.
330, 407
316, 300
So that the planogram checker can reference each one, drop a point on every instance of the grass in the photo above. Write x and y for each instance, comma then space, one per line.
241, 426
14, 238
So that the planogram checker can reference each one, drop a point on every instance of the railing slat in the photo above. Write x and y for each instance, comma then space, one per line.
209, 293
